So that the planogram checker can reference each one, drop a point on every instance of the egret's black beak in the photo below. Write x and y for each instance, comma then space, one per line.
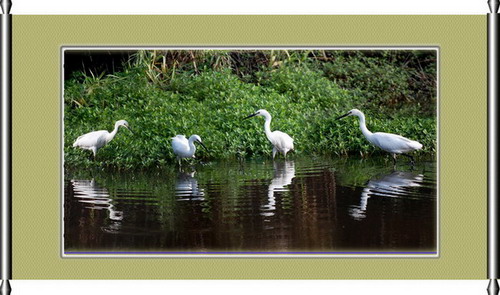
203, 146
343, 116
252, 115
129, 129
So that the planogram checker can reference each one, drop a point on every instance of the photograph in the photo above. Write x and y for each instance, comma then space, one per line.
250, 152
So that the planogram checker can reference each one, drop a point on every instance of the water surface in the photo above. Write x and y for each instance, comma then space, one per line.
300, 205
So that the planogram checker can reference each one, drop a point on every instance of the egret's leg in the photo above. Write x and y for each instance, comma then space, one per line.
394, 159
94, 150
274, 152
412, 160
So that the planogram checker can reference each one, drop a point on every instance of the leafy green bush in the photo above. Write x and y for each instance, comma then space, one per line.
212, 101
390, 80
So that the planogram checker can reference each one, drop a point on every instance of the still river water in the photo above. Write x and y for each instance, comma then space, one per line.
300, 205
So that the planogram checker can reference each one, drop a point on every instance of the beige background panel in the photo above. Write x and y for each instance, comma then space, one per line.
37, 127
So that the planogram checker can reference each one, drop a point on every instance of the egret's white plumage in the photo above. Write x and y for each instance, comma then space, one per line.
184, 148
281, 141
392, 143
97, 139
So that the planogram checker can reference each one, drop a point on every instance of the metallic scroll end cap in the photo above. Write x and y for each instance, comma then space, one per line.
493, 287
493, 4
6, 5
5, 289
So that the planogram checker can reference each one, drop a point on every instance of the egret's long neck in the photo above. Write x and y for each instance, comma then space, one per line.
362, 125
267, 126
192, 147
112, 134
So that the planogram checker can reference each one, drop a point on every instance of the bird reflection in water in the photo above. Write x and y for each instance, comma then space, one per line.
187, 188
284, 172
97, 198
391, 185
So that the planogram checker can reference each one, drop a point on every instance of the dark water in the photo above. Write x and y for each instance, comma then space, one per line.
300, 205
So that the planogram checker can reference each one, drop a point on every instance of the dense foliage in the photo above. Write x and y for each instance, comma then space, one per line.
164, 93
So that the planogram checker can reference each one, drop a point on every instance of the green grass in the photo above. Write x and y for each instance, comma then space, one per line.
162, 94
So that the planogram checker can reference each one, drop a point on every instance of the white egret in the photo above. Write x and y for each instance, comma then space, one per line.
184, 148
281, 141
97, 139
392, 143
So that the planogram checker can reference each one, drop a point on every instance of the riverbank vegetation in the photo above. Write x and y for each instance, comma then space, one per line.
165, 93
